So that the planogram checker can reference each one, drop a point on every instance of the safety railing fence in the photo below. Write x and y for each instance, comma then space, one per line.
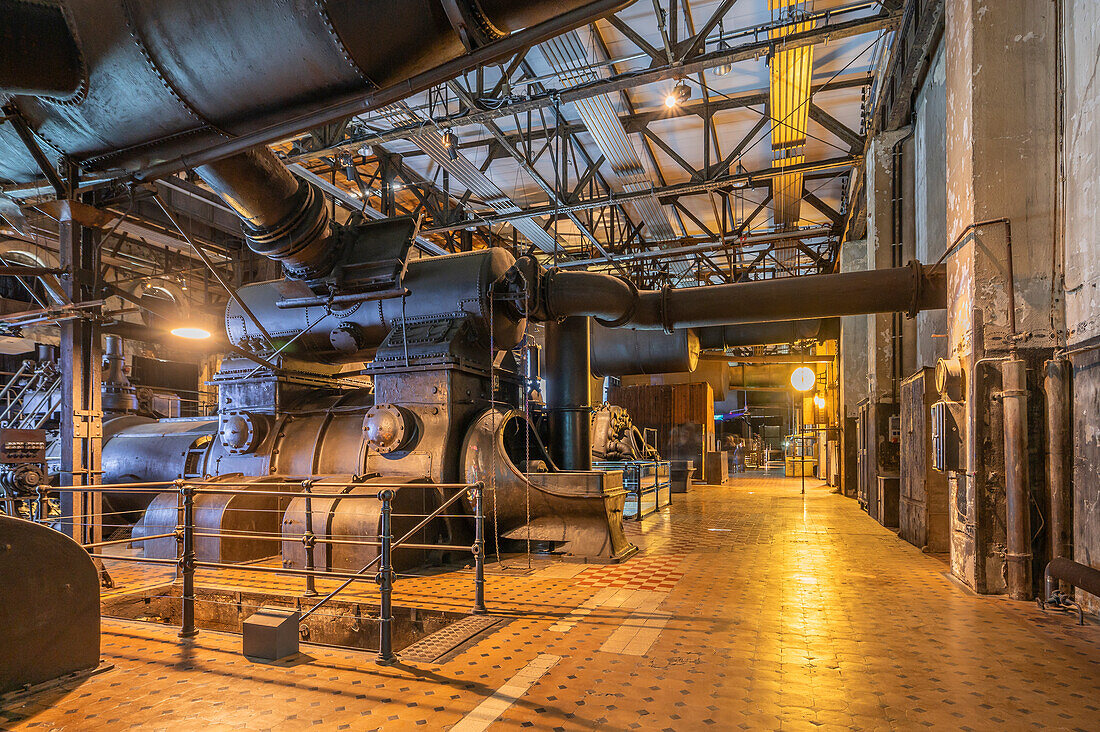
185, 533
648, 484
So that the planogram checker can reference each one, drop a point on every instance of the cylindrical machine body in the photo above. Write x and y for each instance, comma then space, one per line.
166, 79
568, 392
435, 285
629, 352
1017, 506
1056, 385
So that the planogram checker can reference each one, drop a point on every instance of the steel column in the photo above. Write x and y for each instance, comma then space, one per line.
81, 415
385, 580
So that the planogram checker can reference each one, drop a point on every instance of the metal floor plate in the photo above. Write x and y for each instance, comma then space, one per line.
443, 641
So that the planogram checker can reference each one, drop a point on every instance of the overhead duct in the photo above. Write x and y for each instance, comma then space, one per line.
617, 302
283, 217
167, 82
37, 52
722, 337
569, 58
629, 352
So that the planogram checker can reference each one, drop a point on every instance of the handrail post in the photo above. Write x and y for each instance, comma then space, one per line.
309, 540
385, 580
187, 560
41, 507
479, 550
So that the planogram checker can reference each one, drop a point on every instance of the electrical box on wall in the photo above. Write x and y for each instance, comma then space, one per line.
895, 428
946, 436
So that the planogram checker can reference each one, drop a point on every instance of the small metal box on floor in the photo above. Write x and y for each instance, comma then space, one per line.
716, 470
271, 633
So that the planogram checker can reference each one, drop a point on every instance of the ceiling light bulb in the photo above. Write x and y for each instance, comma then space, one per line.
192, 332
679, 94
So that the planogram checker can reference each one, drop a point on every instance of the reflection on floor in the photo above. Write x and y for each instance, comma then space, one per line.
749, 607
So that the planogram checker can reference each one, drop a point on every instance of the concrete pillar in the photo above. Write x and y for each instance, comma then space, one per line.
1001, 163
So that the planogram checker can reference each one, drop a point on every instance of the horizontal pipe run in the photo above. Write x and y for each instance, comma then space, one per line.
320, 540
613, 301
131, 540
142, 560
1081, 576
308, 302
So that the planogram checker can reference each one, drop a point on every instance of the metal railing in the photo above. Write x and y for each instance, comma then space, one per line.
643, 478
187, 562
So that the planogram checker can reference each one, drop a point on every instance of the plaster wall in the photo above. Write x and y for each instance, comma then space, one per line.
1081, 160
1001, 162
930, 150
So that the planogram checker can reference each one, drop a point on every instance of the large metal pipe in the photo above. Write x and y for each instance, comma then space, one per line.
284, 218
767, 334
37, 52
1072, 573
616, 302
170, 83
629, 352
1017, 506
1056, 385
568, 392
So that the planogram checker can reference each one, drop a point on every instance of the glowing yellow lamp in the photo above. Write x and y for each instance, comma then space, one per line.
193, 332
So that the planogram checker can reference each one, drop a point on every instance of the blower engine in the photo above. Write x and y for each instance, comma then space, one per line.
436, 403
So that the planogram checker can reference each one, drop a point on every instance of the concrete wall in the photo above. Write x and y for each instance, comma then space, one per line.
1002, 136
1081, 157
930, 151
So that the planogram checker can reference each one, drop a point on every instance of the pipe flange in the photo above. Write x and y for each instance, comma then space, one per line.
918, 285
666, 323
625, 317
389, 428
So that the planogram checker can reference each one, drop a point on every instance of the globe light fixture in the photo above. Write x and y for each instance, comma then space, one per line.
803, 378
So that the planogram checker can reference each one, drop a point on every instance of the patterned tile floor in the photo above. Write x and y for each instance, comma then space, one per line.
749, 607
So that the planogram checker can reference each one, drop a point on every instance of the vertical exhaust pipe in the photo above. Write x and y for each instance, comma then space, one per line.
568, 397
1017, 508
1056, 385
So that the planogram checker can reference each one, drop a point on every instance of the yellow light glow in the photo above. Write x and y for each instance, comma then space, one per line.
803, 378
670, 101
192, 332
819, 401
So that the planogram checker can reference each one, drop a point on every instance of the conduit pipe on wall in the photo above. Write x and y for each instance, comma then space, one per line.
1056, 385
1017, 508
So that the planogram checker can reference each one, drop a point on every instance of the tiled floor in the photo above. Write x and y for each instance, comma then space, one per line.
749, 607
